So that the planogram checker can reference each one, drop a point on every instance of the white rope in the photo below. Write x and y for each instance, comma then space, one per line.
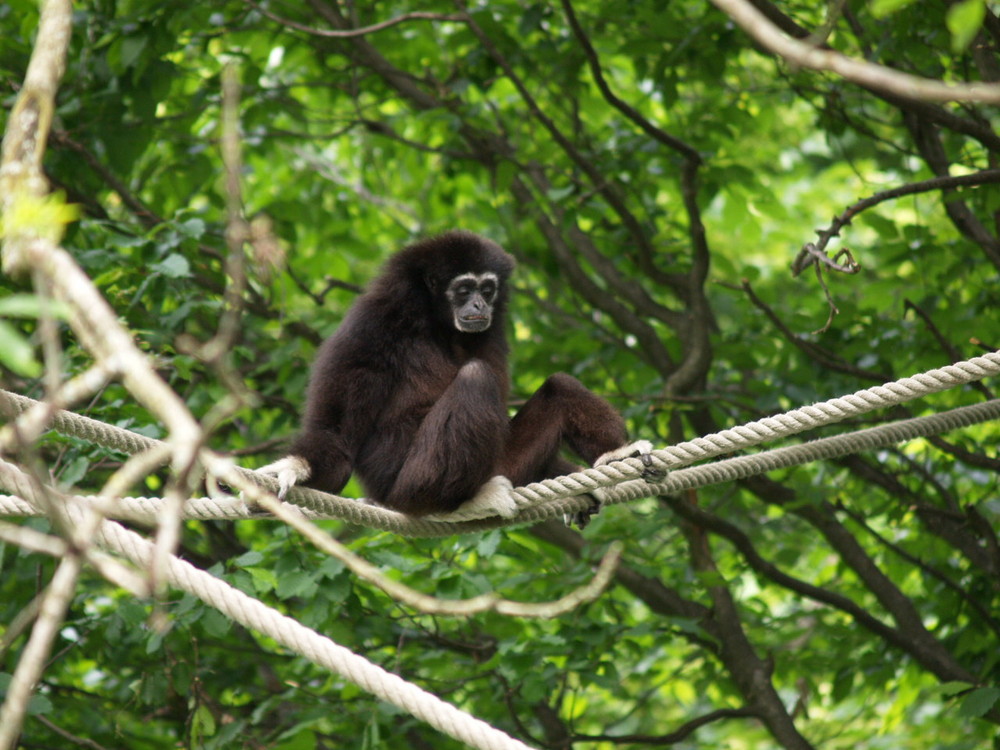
832, 411
682, 454
319, 649
288, 632
552, 497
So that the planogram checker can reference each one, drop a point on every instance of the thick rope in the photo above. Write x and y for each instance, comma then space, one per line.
290, 633
832, 411
360, 512
553, 497
77, 425
317, 648
726, 441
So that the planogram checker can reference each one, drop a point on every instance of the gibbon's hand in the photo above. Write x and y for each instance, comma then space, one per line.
289, 471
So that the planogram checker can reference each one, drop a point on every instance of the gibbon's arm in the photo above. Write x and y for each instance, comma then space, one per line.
342, 408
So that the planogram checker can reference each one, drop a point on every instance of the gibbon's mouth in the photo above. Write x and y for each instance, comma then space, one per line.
473, 323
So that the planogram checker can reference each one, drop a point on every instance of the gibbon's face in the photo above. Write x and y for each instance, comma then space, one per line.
472, 296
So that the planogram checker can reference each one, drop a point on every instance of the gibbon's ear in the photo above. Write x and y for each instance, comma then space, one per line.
431, 283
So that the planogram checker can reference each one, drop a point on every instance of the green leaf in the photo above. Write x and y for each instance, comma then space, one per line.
304, 739
248, 558
488, 543
16, 353
216, 624
978, 702
948, 689
300, 583
264, 579
556, 195
175, 266
883, 8
964, 20
75, 471
193, 228
39, 704
202, 725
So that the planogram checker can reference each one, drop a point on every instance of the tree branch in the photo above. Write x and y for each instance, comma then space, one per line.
751, 673
878, 77
671, 738
977, 179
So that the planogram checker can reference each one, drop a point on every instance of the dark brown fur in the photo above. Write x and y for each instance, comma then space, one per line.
418, 409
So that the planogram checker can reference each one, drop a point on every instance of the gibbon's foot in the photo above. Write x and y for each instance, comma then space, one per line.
289, 471
581, 518
639, 449
494, 498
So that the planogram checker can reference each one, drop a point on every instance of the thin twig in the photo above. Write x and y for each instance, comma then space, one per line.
814, 254
402, 593
361, 31
671, 738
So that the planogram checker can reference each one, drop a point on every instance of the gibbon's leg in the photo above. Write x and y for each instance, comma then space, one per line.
456, 448
563, 410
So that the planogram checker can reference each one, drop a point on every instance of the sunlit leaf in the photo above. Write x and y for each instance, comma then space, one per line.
16, 353
965, 18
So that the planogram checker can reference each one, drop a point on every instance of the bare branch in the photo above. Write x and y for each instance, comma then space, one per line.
815, 254
680, 734
29, 123
977, 179
811, 255
813, 351
657, 134
878, 77
752, 674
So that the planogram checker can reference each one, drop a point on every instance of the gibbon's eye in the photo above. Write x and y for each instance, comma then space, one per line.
489, 290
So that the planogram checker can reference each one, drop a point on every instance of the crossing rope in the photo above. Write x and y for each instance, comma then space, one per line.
619, 481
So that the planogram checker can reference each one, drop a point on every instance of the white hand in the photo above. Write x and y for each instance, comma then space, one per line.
289, 471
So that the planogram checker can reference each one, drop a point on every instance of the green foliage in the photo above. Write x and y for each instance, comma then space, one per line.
349, 162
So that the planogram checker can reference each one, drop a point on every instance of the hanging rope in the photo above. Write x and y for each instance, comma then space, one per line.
290, 633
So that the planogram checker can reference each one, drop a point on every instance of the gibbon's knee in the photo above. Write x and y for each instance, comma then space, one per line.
560, 385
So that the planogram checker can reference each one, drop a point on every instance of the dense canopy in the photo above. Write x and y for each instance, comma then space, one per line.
684, 203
